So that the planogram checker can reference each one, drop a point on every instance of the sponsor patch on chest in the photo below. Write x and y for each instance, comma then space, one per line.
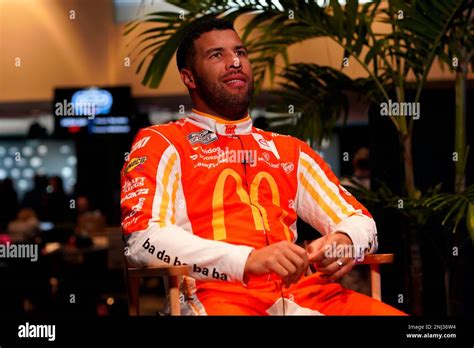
202, 137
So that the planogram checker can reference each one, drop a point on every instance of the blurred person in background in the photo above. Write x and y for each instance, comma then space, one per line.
25, 228
8, 202
361, 169
36, 197
57, 205
89, 221
29, 287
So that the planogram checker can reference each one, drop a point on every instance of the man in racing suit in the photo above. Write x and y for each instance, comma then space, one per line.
214, 193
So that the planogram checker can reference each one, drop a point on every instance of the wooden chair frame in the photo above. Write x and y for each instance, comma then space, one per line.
375, 260
134, 275
174, 274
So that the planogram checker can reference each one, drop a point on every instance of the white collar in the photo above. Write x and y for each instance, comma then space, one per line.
221, 126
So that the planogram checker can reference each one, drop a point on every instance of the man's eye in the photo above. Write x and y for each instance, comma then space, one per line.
241, 53
215, 55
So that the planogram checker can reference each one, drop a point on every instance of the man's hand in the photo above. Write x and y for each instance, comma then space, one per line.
322, 253
286, 259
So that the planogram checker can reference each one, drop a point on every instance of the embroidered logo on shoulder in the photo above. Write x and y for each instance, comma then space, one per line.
134, 162
139, 144
202, 137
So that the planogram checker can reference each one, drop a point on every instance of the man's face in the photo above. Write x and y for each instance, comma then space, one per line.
222, 74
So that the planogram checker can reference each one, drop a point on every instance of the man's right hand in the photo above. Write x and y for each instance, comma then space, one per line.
286, 259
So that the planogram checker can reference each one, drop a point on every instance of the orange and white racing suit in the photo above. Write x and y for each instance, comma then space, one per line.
205, 192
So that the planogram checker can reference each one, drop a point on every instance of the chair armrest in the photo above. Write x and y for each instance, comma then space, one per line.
159, 271
376, 259
174, 273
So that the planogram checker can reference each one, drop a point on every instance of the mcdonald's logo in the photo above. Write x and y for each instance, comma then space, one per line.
259, 213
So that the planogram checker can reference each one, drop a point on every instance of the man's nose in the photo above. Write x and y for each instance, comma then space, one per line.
233, 62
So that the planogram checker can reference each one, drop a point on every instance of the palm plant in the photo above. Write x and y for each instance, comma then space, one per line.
320, 96
421, 30
457, 52
448, 208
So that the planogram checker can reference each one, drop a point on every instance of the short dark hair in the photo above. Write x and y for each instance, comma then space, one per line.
186, 49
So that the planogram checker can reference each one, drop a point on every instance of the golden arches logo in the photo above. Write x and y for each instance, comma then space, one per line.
259, 213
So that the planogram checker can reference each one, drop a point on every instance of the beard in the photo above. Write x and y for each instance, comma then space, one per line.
219, 99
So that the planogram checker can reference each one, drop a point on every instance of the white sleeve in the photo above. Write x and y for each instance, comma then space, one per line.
328, 207
156, 228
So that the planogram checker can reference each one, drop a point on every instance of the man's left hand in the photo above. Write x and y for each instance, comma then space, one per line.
322, 253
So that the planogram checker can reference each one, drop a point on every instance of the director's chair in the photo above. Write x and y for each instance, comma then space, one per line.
374, 261
134, 275
174, 274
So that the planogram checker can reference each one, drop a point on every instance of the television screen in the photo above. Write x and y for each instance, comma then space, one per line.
92, 110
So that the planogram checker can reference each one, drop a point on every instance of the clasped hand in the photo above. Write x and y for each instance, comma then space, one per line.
290, 261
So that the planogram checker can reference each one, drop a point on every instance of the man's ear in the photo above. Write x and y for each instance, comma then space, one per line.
188, 78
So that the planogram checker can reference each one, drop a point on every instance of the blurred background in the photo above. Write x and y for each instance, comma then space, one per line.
323, 77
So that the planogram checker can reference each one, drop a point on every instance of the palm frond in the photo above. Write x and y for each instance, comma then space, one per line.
453, 207
318, 95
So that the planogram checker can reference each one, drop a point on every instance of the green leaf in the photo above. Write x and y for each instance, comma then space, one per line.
351, 12
255, 22
338, 18
470, 220
157, 68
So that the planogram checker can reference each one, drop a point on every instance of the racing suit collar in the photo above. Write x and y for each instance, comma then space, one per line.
219, 125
